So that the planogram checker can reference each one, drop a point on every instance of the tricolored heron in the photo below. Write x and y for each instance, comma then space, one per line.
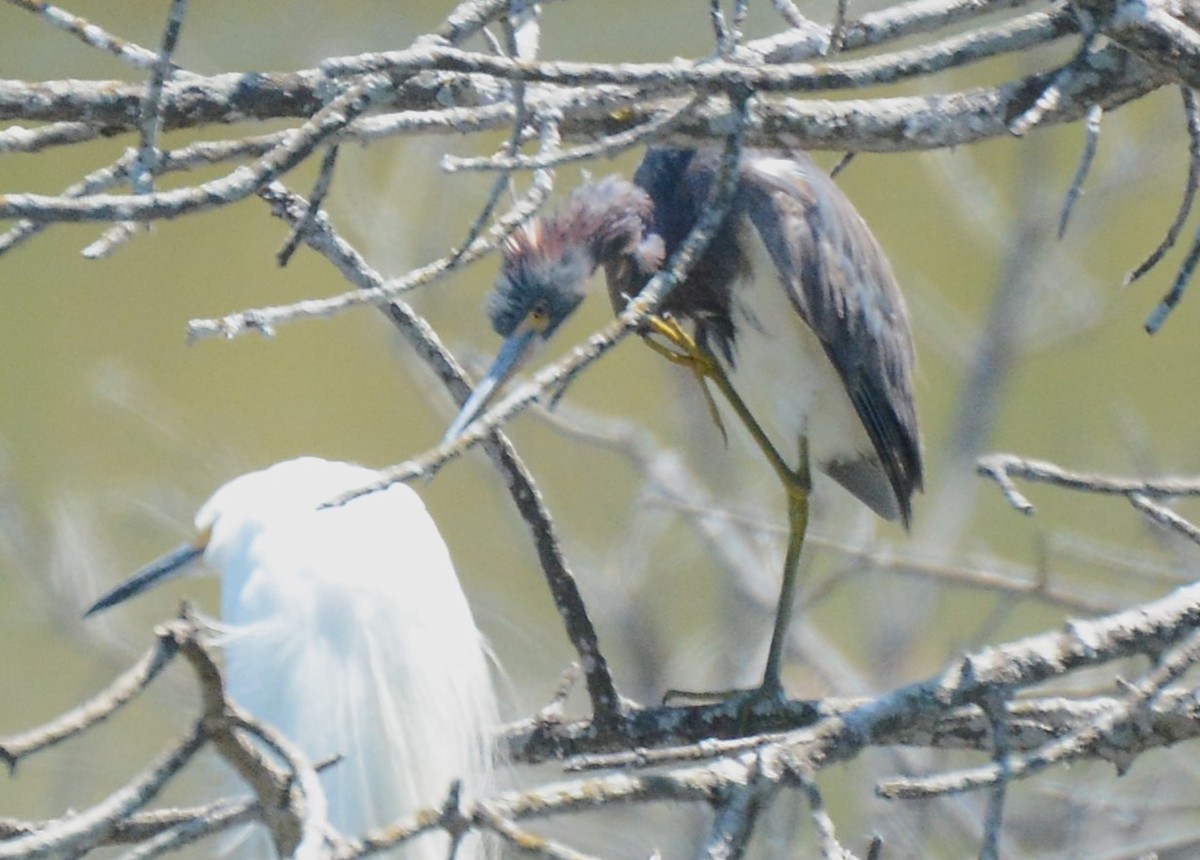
346, 629
792, 312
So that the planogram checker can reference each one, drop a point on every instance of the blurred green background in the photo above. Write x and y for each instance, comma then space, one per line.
113, 430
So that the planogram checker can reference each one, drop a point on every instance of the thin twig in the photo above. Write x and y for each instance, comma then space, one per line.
17, 138
1072, 746
719, 75
215, 819
1002, 468
916, 17
725, 39
837, 30
188, 157
105, 177
1192, 113
549, 133
1165, 517
469, 18
1159, 315
993, 824
91, 34
790, 13
1091, 141
94, 710
524, 841
142, 173
605, 148
295, 147
605, 700
1050, 97
315, 200
831, 848
842, 164
89, 828
734, 822
145, 166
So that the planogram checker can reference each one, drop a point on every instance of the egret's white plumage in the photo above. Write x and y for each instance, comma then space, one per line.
346, 629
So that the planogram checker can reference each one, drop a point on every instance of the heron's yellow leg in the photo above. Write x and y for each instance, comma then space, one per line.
797, 496
706, 367
796, 484
701, 363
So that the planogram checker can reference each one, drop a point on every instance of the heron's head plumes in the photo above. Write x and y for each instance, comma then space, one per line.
548, 261
545, 273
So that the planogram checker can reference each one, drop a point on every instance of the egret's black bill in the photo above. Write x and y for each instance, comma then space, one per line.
160, 570
513, 355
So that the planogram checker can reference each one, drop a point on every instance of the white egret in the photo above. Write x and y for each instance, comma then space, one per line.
346, 629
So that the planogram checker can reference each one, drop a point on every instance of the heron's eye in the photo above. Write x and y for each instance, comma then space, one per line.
539, 316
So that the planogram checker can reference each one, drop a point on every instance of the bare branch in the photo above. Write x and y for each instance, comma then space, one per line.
87, 829
525, 841
95, 710
91, 34
1018, 702
1189, 190
1159, 315
1002, 468
219, 192
322, 239
1166, 518
831, 849
1095, 114
1072, 746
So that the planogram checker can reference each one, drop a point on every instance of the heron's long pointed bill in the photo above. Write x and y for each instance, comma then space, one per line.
516, 350
169, 566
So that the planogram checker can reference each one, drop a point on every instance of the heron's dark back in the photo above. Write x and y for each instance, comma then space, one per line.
834, 271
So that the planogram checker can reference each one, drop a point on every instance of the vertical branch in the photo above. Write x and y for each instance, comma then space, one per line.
142, 174
605, 701
996, 706
831, 849
521, 42
1091, 142
319, 192
734, 822
837, 31
145, 165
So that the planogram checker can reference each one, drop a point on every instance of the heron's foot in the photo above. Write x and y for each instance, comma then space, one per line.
751, 707
687, 353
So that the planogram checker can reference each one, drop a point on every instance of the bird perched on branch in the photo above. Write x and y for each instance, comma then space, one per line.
792, 312
346, 629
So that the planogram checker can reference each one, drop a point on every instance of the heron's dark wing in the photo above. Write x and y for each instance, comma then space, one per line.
842, 285
678, 182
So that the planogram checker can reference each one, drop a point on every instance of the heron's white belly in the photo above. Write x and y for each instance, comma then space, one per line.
784, 376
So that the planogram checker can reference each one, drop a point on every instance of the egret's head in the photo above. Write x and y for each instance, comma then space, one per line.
229, 521
245, 506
